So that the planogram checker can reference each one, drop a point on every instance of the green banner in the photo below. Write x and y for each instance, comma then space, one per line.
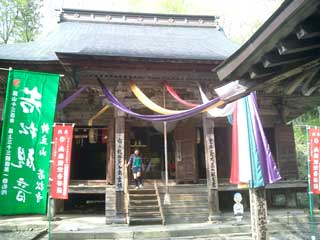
25, 149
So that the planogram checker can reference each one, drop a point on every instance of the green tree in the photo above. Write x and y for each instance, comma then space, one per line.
8, 19
28, 24
177, 6
311, 118
19, 20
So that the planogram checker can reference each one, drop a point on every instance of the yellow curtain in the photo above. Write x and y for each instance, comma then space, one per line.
155, 107
102, 110
92, 138
147, 101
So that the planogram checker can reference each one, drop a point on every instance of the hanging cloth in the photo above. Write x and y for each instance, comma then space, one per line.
70, 99
155, 107
148, 102
171, 117
252, 162
217, 112
175, 95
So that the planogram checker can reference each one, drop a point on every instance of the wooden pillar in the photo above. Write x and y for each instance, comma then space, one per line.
110, 199
119, 167
258, 211
110, 204
110, 153
211, 168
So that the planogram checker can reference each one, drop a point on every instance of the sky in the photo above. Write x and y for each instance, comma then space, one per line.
239, 18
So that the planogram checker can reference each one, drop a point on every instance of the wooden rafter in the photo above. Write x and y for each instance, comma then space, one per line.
259, 71
259, 85
293, 45
274, 59
278, 27
295, 83
310, 85
308, 30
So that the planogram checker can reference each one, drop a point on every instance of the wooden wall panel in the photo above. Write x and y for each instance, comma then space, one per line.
286, 151
223, 136
185, 147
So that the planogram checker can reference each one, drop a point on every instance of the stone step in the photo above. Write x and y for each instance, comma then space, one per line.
188, 204
145, 221
143, 204
185, 205
175, 203
143, 208
134, 217
185, 190
145, 214
186, 219
142, 191
193, 231
143, 196
189, 197
182, 211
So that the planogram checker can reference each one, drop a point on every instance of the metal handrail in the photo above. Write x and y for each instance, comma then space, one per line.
159, 202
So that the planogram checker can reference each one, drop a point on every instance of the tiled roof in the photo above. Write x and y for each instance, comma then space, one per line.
125, 40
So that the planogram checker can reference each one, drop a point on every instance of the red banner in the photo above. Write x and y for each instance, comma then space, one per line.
314, 141
60, 167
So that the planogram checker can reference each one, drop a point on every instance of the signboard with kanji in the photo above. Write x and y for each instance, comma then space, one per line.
314, 141
61, 155
26, 141
119, 161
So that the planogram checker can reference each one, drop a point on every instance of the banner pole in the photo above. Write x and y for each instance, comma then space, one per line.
166, 200
312, 226
49, 218
49, 188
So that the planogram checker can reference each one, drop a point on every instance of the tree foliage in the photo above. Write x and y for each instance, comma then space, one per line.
8, 19
177, 6
311, 118
28, 25
19, 20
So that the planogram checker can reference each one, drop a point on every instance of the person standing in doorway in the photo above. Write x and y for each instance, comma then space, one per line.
135, 161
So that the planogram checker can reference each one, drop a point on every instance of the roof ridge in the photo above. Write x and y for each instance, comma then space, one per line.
71, 14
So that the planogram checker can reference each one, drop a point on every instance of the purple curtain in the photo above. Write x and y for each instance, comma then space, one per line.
70, 99
168, 118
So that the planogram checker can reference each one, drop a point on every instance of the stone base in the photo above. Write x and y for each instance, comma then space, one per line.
119, 220
215, 218
53, 219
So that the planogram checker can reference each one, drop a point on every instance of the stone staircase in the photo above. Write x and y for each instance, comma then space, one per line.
189, 203
144, 207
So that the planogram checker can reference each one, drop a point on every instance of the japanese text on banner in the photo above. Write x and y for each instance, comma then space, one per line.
61, 154
26, 141
314, 141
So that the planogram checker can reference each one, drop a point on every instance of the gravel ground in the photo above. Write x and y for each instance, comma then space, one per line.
34, 235
22, 235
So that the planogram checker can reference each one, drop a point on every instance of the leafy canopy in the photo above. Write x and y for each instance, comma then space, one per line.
19, 20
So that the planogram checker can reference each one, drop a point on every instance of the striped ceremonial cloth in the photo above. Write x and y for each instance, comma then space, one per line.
252, 161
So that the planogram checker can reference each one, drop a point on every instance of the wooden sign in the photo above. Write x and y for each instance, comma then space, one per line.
119, 161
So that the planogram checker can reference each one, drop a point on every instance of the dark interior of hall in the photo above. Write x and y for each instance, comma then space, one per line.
88, 161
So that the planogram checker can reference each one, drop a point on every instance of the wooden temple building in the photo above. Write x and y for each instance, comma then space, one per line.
280, 62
